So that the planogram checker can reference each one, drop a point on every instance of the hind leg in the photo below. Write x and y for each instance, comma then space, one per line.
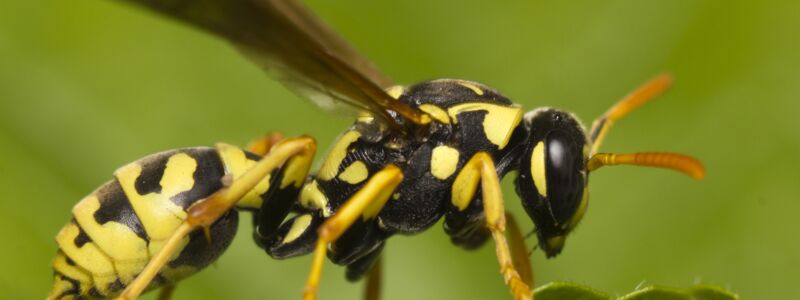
203, 214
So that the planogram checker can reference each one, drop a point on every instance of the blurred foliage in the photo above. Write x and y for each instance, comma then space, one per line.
87, 86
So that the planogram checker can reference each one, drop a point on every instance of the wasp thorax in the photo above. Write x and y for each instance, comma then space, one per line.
552, 175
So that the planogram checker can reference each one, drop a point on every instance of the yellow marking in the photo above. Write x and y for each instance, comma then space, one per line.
236, 164
295, 172
62, 285
444, 161
396, 196
160, 217
89, 257
576, 218
158, 214
555, 242
299, 226
470, 86
366, 118
586, 151
354, 173
538, 174
312, 197
499, 122
396, 91
436, 113
331, 164
127, 250
116, 239
72, 271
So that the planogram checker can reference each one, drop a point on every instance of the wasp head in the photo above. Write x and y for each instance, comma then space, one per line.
553, 175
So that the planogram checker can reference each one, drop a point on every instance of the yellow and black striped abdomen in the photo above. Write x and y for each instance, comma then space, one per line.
116, 229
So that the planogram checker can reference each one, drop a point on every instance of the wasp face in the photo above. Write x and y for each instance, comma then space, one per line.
553, 175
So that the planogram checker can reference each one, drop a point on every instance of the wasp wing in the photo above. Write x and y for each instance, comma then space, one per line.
301, 51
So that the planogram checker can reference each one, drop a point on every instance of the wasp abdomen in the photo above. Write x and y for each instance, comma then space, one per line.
117, 228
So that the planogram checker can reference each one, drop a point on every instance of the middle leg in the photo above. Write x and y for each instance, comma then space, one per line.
365, 203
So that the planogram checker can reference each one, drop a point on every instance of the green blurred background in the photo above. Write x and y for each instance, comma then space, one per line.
87, 86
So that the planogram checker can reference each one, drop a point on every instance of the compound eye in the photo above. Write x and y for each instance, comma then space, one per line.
565, 183
561, 156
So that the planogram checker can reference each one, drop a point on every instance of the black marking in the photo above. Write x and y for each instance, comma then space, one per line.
358, 268
275, 206
207, 176
116, 287
302, 245
252, 156
360, 239
82, 237
149, 181
116, 207
69, 260
199, 252
445, 93
94, 293
75, 290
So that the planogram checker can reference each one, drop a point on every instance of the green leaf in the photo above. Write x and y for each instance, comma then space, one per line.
657, 293
568, 290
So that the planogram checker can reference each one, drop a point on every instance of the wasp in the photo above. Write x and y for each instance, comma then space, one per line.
415, 155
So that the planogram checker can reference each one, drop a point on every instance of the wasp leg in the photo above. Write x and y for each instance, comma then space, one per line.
480, 169
519, 251
262, 145
166, 292
365, 203
206, 212
372, 288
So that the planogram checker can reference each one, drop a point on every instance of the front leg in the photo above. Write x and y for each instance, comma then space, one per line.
480, 169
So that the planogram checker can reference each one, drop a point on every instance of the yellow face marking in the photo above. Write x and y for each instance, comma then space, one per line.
471, 86
298, 227
331, 164
498, 123
395, 91
312, 197
436, 113
578, 216
444, 161
538, 169
354, 173
236, 164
